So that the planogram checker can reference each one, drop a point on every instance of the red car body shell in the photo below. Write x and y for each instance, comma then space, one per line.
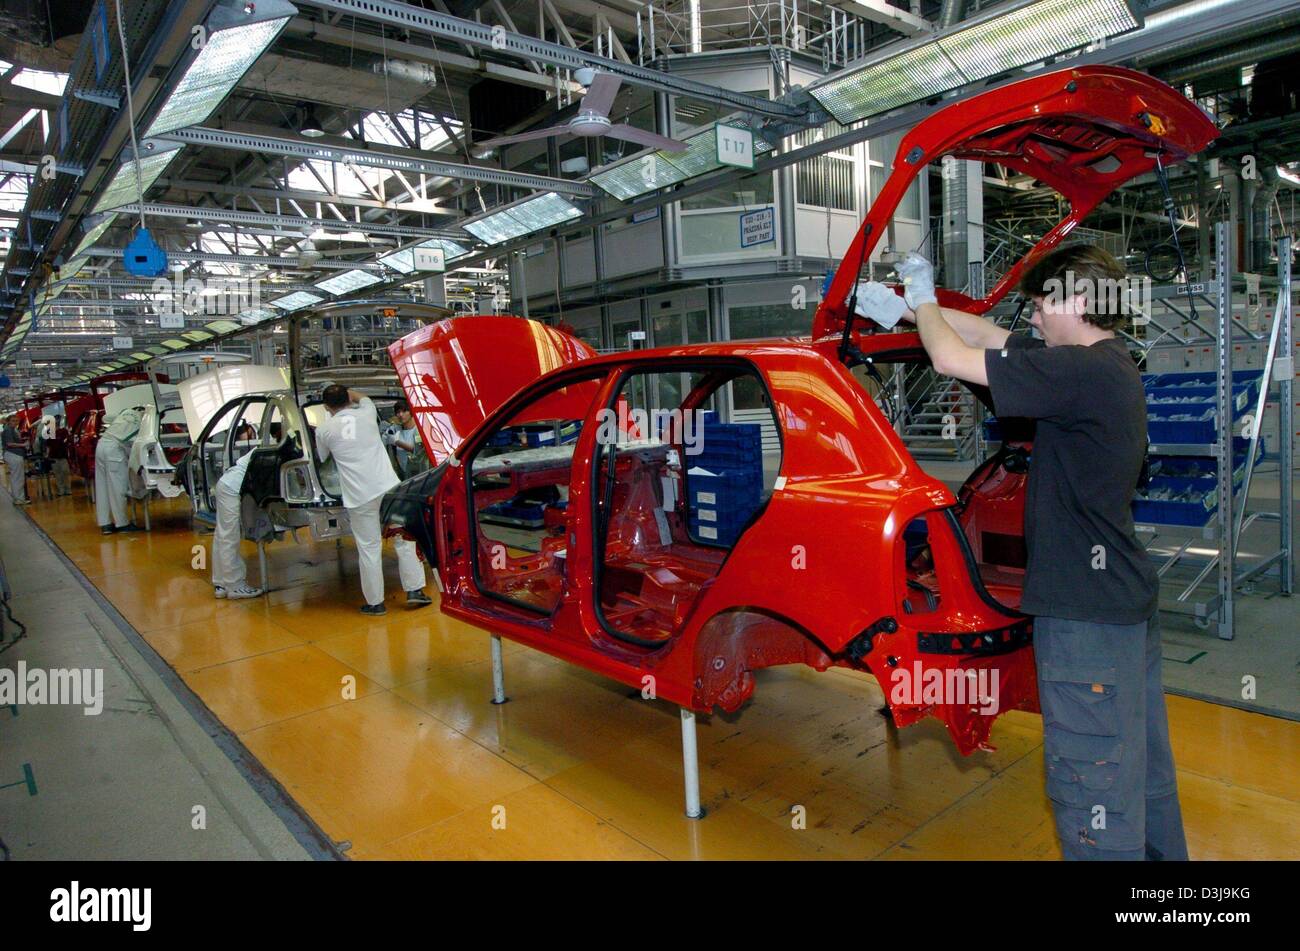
84, 426
819, 575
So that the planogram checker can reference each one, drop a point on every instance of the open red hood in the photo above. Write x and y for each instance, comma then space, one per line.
457, 371
1083, 131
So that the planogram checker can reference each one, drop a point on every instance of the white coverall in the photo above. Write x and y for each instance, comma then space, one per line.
228, 569
14, 462
352, 437
111, 455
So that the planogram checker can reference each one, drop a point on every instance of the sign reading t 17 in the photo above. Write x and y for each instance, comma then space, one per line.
735, 146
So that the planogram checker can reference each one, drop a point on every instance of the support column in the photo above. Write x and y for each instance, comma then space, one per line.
963, 220
691, 765
1284, 370
498, 673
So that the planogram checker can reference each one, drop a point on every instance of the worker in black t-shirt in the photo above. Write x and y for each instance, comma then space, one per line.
1088, 582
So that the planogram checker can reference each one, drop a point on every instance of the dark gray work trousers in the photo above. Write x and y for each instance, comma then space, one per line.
1110, 771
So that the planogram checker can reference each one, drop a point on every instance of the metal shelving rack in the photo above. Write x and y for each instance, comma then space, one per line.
1231, 519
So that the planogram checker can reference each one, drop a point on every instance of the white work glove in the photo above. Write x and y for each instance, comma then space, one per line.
390, 438
917, 275
879, 303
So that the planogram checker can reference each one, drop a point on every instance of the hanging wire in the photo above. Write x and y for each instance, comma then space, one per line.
130, 113
1170, 212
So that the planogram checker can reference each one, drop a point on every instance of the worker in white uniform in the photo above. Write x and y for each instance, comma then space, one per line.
228, 568
351, 437
111, 455
15, 450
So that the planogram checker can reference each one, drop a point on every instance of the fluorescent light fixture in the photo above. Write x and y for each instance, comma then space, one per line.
1033, 33
296, 301
174, 344
222, 326
122, 187
257, 315
638, 175
911, 75
347, 282
642, 174
237, 33
495, 228
701, 154
72, 269
93, 230
141, 356
523, 217
197, 336
544, 211
1003, 38
404, 260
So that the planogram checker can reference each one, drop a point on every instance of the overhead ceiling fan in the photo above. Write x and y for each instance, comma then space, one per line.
593, 119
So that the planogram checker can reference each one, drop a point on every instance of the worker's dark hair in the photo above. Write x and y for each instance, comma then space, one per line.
401, 406
335, 396
1087, 270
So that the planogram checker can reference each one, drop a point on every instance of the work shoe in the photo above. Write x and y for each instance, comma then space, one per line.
417, 599
374, 609
106, 529
241, 591
130, 528
218, 591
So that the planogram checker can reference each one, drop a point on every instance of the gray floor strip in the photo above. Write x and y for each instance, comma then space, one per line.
304, 829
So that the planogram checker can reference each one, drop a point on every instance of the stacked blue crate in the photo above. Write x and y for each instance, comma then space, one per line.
1182, 409
724, 482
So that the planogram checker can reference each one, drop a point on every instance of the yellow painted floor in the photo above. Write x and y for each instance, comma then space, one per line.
382, 730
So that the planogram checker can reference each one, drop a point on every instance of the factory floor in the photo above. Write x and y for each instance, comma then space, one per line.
307, 727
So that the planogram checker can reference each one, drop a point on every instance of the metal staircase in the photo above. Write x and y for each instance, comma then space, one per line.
941, 419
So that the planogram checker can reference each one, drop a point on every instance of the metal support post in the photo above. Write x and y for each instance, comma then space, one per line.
691, 765
1284, 370
1223, 448
498, 672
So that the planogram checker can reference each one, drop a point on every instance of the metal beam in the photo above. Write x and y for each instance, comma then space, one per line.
289, 194
146, 284
259, 260
878, 11
289, 222
306, 149
407, 17
385, 46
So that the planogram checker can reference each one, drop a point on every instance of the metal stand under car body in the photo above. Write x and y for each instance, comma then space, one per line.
1215, 549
